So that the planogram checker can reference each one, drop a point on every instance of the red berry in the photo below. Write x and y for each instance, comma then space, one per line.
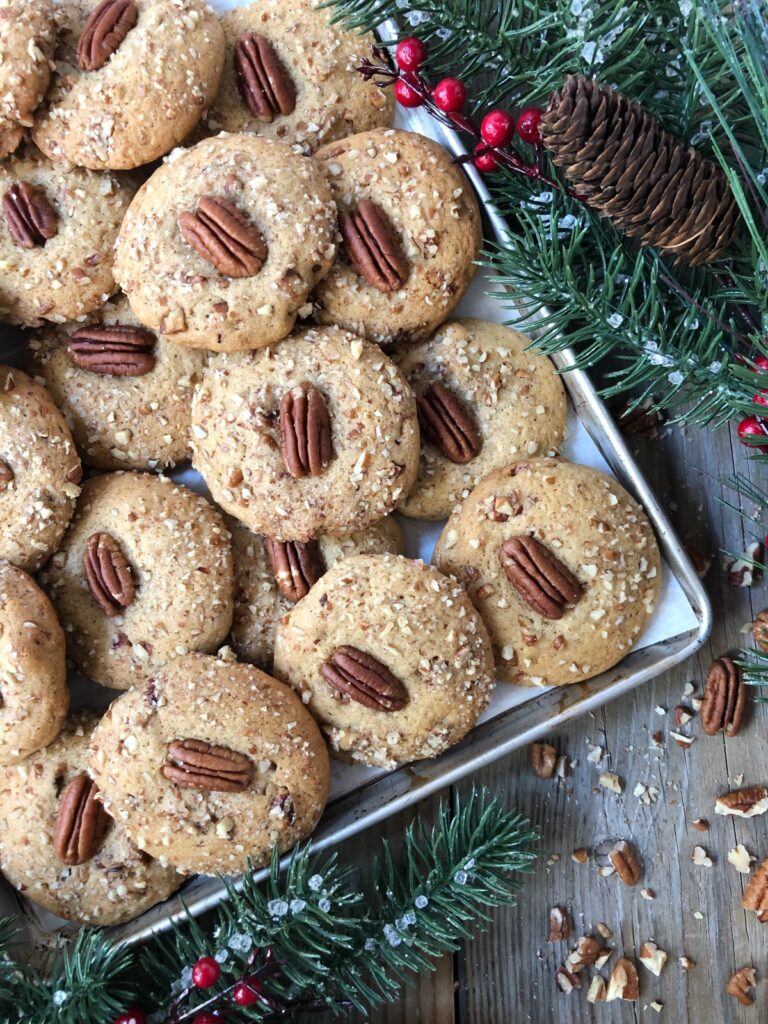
485, 161
761, 398
753, 426
761, 363
207, 1018
247, 992
497, 128
134, 1016
206, 972
528, 125
410, 54
449, 95
406, 96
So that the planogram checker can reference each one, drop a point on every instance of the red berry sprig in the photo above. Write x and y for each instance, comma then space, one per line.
528, 126
133, 1016
206, 972
752, 427
410, 54
248, 992
207, 1018
449, 95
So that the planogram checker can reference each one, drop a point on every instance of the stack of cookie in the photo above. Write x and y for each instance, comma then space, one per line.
273, 302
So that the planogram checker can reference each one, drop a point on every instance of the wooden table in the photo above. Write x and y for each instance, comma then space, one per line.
506, 976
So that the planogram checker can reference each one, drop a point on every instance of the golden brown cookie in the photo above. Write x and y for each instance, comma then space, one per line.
561, 563
27, 37
39, 471
33, 674
60, 848
211, 763
390, 657
411, 230
143, 575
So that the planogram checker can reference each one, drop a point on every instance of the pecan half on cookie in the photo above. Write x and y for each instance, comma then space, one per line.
446, 422
224, 237
104, 31
121, 351
200, 765
264, 84
81, 822
372, 247
30, 217
361, 677
305, 432
538, 576
109, 576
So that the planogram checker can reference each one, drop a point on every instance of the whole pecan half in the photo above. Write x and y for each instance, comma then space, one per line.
725, 698
6, 475
740, 983
305, 432
117, 350
30, 217
202, 765
81, 822
446, 423
358, 675
224, 237
626, 863
297, 567
263, 82
104, 31
756, 893
372, 248
543, 760
108, 574
538, 576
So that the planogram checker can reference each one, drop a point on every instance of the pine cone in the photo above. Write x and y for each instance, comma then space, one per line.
623, 164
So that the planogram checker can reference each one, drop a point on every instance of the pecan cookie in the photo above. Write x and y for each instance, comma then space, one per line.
33, 675
290, 74
57, 230
39, 472
61, 849
27, 37
318, 435
561, 563
271, 576
125, 392
484, 398
390, 657
143, 575
133, 78
211, 763
411, 230
222, 245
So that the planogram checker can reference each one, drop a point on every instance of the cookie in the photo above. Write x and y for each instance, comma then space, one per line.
314, 95
210, 764
93, 875
484, 398
125, 392
561, 563
33, 674
411, 229
39, 472
270, 576
27, 38
57, 231
143, 575
318, 435
223, 244
132, 80
390, 657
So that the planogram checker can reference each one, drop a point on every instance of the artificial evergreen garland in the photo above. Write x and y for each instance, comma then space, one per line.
307, 938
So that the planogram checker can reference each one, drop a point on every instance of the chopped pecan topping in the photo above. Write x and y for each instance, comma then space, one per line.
445, 422
305, 432
559, 925
543, 760
358, 675
372, 248
81, 822
118, 350
6, 475
739, 984
30, 217
104, 31
725, 698
297, 567
264, 84
538, 576
626, 863
743, 803
201, 765
756, 893
108, 574
224, 237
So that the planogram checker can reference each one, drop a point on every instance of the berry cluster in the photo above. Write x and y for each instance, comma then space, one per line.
752, 427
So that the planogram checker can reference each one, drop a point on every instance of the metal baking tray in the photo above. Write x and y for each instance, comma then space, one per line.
375, 796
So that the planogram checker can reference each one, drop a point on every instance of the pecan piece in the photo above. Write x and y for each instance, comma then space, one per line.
305, 432
760, 630
538, 576
104, 31
445, 422
372, 248
201, 765
224, 237
543, 760
119, 350
641, 419
743, 803
756, 893
30, 217
739, 984
358, 675
626, 862
108, 574
263, 82
6, 475
725, 698
297, 567
623, 982
81, 822
559, 925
